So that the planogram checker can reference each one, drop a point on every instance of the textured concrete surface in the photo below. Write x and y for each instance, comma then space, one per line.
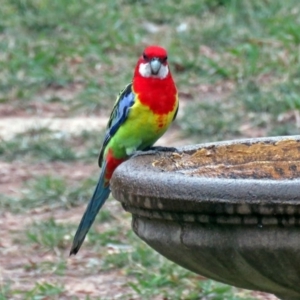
243, 231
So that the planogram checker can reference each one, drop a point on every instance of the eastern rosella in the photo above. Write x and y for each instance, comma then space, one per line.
141, 115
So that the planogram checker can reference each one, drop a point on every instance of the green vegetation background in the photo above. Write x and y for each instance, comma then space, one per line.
236, 65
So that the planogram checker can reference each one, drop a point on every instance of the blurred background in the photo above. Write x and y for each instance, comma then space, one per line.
62, 63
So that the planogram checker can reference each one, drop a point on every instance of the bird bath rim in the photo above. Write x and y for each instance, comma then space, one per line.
148, 188
240, 231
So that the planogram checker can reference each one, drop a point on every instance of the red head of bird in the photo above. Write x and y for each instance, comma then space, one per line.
153, 63
153, 82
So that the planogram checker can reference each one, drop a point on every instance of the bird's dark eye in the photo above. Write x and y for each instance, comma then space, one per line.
145, 57
164, 59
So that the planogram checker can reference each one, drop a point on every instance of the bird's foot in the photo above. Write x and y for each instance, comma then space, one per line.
162, 149
154, 150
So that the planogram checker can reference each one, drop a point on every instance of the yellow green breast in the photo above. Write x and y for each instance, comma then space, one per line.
141, 129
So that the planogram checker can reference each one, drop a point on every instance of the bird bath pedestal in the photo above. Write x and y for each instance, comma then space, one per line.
229, 211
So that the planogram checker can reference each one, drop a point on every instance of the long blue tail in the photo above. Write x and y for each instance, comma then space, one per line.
100, 195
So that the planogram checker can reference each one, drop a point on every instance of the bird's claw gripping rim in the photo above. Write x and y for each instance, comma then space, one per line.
154, 150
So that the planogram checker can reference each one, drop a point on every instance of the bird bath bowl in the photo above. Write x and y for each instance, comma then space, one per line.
229, 210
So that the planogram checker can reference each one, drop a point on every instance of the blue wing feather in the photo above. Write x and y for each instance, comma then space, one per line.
118, 116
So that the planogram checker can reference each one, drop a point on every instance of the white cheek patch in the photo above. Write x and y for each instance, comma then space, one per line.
163, 72
145, 71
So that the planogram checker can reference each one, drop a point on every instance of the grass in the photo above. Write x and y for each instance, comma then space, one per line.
38, 145
43, 144
50, 192
48, 234
236, 64
39, 291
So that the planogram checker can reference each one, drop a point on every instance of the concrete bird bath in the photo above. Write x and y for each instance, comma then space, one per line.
229, 211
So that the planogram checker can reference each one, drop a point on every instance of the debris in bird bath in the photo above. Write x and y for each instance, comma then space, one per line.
280, 160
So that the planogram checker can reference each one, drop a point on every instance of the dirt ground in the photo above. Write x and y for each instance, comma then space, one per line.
13, 258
